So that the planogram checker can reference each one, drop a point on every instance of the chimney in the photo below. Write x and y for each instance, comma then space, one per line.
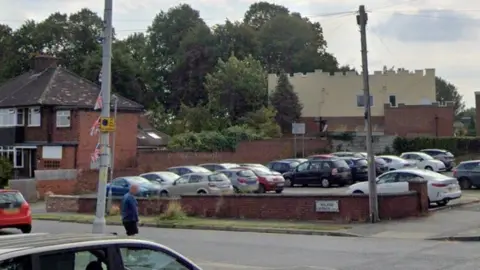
42, 62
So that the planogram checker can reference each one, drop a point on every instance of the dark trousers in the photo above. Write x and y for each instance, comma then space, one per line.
131, 227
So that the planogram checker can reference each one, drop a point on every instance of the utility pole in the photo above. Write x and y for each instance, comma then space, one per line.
362, 19
99, 223
112, 153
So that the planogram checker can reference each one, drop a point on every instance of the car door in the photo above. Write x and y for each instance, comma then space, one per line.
418, 160
401, 182
179, 186
319, 170
141, 257
385, 183
474, 173
301, 173
195, 183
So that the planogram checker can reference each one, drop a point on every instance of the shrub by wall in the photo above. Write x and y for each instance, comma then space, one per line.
456, 145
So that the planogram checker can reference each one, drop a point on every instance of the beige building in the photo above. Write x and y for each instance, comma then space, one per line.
341, 95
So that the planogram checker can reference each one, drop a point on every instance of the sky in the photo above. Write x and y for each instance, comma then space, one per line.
411, 34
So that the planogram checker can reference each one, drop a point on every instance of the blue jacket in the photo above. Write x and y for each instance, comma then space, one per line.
129, 208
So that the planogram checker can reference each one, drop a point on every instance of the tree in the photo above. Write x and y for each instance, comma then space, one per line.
286, 103
237, 39
445, 91
261, 12
236, 87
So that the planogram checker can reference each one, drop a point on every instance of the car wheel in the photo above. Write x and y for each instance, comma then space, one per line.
442, 203
278, 191
428, 168
325, 183
261, 188
358, 192
163, 193
464, 183
289, 182
201, 192
26, 229
236, 190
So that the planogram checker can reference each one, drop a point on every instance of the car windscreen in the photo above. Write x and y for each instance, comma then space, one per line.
199, 169
218, 177
340, 164
246, 173
294, 164
168, 176
361, 162
380, 161
11, 198
262, 172
137, 180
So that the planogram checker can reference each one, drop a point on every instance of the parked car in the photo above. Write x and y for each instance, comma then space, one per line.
267, 179
358, 167
441, 188
395, 163
162, 178
324, 172
218, 166
243, 180
424, 161
282, 166
257, 166
181, 170
14, 211
468, 174
87, 251
321, 157
348, 154
443, 155
121, 185
199, 183
381, 166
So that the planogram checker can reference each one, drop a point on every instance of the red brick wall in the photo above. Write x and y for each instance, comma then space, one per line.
273, 207
252, 152
125, 141
67, 161
407, 120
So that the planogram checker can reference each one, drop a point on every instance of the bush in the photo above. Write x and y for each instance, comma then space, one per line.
206, 141
242, 133
456, 145
174, 211
6, 172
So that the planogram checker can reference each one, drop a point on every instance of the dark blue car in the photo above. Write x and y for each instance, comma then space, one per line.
121, 185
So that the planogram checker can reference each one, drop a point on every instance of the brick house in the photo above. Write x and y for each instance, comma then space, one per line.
45, 119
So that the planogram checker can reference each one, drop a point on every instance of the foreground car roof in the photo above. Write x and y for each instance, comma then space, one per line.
39, 242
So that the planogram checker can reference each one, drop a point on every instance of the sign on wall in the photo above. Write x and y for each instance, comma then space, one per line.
327, 206
298, 128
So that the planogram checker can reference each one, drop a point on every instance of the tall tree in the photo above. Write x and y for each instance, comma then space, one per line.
237, 87
286, 102
234, 38
261, 12
446, 91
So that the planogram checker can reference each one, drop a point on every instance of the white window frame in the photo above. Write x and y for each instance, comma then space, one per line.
15, 151
20, 111
63, 115
363, 105
34, 111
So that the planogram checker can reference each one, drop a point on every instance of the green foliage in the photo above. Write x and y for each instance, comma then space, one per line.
205, 141
287, 104
456, 145
6, 172
263, 122
242, 133
445, 91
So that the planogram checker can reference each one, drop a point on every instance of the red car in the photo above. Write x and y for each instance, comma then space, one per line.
322, 156
267, 180
14, 211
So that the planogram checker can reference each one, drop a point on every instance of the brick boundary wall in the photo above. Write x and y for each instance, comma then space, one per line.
352, 208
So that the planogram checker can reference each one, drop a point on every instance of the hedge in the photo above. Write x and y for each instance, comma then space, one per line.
456, 145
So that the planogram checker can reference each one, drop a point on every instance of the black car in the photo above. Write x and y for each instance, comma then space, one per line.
323, 172
359, 168
282, 166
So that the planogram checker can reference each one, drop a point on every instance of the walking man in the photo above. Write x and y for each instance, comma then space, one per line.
130, 211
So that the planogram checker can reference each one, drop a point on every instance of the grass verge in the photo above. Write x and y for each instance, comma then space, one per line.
200, 223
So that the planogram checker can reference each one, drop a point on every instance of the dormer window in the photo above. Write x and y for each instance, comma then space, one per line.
34, 117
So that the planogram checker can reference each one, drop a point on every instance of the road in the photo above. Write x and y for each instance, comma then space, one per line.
253, 251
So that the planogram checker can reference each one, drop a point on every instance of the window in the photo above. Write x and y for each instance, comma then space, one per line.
387, 178
75, 260
18, 158
303, 167
19, 263
405, 177
142, 259
20, 117
8, 153
63, 118
119, 182
361, 99
182, 180
34, 117
7, 117
392, 100
195, 179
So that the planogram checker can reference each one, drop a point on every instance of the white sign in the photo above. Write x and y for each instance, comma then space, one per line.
298, 128
52, 152
326, 206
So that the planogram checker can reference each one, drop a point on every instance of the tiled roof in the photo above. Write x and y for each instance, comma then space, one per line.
55, 86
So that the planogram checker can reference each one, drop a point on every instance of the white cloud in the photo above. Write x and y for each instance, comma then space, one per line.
455, 61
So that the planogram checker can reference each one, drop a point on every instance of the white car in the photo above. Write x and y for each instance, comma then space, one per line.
424, 161
396, 163
441, 188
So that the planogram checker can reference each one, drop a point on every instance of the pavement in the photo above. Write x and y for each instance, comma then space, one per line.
214, 250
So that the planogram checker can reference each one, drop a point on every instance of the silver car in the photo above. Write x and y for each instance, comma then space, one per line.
199, 183
181, 170
443, 155
162, 178
243, 180
218, 166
